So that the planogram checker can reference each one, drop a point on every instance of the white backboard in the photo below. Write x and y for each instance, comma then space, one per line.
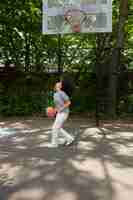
59, 16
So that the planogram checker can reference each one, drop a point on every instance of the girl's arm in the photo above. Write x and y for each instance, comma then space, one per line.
66, 105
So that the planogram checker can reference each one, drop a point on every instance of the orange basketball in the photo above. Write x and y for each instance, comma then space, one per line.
50, 112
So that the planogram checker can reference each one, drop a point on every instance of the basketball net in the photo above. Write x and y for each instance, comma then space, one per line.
74, 17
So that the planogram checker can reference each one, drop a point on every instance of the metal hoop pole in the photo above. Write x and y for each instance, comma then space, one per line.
60, 70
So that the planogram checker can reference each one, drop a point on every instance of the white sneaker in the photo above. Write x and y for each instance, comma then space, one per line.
69, 142
52, 145
62, 142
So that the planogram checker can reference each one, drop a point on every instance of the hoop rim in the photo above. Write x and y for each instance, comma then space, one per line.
70, 10
76, 27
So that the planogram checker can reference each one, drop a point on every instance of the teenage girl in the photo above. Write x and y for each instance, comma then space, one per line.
62, 105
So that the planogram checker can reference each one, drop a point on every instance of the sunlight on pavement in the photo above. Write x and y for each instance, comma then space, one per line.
86, 145
7, 131
99, 164
21, 147
10, 173
4, 132
41, 194
28, 194
88, 166
125, 134
64, 195
95, 132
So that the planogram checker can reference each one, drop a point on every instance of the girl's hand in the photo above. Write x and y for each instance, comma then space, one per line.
55, 109
66, 105
60, 110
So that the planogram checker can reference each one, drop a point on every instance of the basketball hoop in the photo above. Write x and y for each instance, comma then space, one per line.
76, 28
74, 17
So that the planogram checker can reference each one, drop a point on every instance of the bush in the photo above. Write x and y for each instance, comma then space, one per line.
22, 105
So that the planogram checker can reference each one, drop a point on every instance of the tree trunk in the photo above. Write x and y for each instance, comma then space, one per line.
27, 52
60, 68
116, 54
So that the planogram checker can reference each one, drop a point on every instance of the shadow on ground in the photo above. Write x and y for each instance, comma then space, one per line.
31, 171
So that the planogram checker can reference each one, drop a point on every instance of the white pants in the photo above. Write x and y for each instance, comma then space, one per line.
58, 128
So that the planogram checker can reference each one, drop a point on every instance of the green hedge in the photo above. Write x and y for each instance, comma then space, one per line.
22, 105
31, 96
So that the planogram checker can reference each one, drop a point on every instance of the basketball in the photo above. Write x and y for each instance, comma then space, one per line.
50, 111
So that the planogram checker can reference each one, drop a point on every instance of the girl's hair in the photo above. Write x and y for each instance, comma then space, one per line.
67, 87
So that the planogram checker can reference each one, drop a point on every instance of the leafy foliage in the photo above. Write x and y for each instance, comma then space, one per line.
23, 44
